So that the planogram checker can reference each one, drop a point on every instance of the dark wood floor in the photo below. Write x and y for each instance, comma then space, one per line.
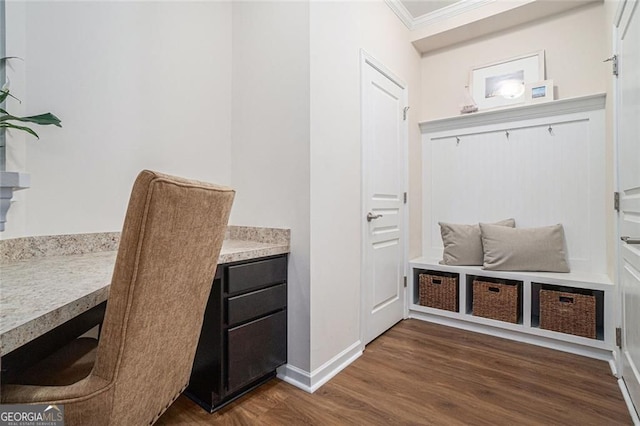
419, 373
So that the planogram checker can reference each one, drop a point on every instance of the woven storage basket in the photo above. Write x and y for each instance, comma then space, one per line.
496, 300
439, 291
570, 313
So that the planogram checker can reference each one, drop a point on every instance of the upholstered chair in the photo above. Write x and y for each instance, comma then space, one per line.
166, 261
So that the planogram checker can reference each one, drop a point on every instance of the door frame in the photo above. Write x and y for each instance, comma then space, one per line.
621, 18
618, 20
616, 185
368, 60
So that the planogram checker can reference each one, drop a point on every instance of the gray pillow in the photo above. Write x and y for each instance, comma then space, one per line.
524, 249
462, 243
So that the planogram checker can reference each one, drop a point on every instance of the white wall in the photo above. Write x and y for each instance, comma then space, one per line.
136, 84
270, 150
338, 31
575, 44
149, 85
303, 171
296, 150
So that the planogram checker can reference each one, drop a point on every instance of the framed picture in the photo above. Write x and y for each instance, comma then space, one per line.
502, 83
540, 91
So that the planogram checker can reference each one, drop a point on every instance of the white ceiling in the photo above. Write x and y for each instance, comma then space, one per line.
422, 7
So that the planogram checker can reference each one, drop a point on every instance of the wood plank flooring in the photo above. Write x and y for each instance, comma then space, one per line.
420, 373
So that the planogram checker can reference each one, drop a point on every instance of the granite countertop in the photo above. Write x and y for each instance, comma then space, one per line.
44, 286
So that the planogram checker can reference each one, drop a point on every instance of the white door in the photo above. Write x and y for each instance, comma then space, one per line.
628, 146
384, 134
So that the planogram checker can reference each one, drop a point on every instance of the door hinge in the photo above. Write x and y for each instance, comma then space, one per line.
616, 201
405, 198
614, 63
405, 281
619, 337
404, 113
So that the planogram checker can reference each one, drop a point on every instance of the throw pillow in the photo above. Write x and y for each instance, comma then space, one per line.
462, 243
524, 249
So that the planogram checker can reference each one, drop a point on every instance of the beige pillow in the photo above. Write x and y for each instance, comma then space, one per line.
462, 243
524, 249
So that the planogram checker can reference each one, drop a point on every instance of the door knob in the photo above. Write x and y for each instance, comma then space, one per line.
371, 216
631, 240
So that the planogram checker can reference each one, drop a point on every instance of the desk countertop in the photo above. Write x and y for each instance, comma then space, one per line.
40, 293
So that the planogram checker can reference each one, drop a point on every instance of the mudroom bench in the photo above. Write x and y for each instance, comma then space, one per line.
542, 165
541, 308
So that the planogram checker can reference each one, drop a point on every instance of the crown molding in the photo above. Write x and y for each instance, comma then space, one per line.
439, 15
398, 8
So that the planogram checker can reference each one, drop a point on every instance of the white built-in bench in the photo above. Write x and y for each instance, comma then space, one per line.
540, 164
528, 327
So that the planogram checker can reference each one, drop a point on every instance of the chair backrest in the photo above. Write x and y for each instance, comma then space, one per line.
166, 262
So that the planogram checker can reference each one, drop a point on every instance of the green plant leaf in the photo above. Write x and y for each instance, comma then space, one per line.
41, 119
4, 94
6, 118
23, 128
6, 58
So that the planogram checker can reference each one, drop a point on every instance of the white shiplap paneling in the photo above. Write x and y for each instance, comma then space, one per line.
536, 176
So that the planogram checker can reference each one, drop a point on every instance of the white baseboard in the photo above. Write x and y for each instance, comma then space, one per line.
613, 365
295, 376
310, 382
627, 400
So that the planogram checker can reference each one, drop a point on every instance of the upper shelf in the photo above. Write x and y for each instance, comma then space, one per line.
504, 115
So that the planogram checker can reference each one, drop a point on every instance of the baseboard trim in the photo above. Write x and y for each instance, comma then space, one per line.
295, 376
627, 400
310, 382
613, 365
597, 353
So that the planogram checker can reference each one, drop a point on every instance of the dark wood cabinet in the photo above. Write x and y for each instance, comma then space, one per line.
244, 333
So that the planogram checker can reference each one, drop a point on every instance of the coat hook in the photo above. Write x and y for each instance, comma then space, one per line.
507, 133
550, 130
457, 141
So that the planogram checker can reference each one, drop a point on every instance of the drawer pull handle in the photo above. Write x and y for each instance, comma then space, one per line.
494, 289
565, 299
436, 281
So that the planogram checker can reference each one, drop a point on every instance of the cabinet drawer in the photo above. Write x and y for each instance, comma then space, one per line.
252, 305
257, 274
256, 348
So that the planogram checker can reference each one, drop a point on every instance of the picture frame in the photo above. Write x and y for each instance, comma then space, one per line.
501, 84
538, 92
